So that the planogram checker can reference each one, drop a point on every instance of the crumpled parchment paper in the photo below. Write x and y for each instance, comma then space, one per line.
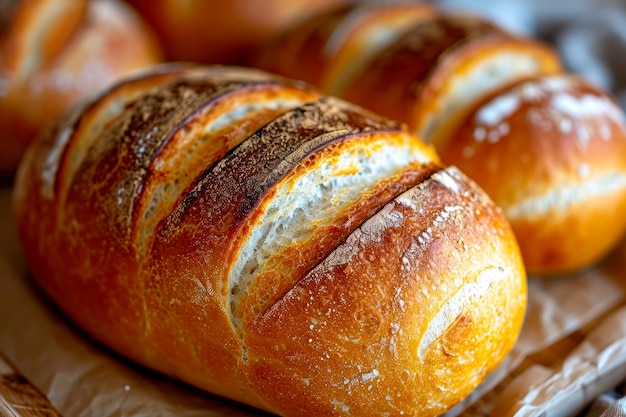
617, 409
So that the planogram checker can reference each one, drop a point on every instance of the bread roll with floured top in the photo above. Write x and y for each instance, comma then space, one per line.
243, 233
54, 52
551, 151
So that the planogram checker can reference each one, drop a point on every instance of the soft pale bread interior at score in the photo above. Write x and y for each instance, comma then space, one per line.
315, 200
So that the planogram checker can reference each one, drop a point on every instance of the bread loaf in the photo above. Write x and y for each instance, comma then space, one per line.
52, 53
329, 49
434, 72
551, 152
223, 32
410, 62
243, 233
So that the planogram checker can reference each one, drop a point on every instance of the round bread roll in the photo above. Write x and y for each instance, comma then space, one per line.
223, 32
53, 52
244, 234
551, 152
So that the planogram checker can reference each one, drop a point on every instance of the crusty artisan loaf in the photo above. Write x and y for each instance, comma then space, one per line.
433, 70
53, 52
251, 237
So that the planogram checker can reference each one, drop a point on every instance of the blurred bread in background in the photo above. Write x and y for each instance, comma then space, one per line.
551, 152
223, 32
53, 52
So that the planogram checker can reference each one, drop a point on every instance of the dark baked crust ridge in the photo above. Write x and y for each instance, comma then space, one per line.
411, 59
289, 139
124, 154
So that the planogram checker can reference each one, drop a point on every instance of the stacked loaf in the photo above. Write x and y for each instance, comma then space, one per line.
54, 52
549, 148
252, 237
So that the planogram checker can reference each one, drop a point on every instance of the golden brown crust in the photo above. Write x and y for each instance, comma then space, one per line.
322, 49
165, 301
368, 30
364, 332
300, 51
410, 62
411, 59
284, 267
551, 151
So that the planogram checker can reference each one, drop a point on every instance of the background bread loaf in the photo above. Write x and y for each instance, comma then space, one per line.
54, 52
223, 32
243, 233
437, 68
408, 61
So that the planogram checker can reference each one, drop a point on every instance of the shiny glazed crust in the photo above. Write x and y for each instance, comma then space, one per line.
551, 152
399, 288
